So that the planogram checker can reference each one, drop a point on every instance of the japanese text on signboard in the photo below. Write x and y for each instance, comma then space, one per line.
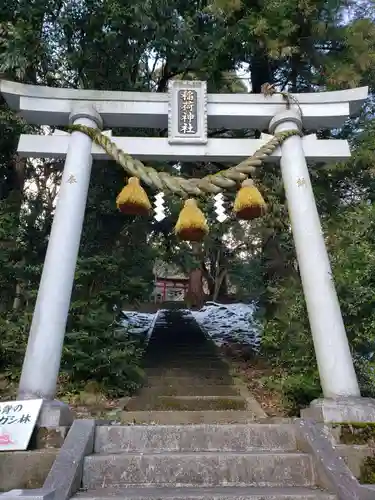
14, 414
17, 422
187, 112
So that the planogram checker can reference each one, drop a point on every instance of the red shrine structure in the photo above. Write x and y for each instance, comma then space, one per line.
170, 285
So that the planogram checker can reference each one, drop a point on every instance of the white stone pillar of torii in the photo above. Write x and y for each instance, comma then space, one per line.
188, 141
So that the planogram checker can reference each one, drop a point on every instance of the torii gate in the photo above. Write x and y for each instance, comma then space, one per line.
187, 141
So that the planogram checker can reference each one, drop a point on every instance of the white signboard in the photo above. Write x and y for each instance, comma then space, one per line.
17, 422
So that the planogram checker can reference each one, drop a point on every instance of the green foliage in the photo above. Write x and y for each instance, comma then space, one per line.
360, 433
14, 330
368, 471
344, 196
287, 339
247, 278
98, 349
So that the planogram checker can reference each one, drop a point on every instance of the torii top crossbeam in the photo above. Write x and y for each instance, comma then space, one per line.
51, 106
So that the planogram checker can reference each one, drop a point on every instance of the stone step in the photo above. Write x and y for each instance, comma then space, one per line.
181, 361
190, 378
202, 372
192, 348
181, 369
190, 390
185, 403
186, 355
224, 493
186, 363
187, 417
187, 380
198, 469
181, 438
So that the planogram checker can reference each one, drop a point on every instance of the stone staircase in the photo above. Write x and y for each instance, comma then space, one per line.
187, 381
194, 434
238, 461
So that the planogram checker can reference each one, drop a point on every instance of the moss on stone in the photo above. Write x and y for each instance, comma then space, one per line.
45, 437
356, 432
368, 471
171, 404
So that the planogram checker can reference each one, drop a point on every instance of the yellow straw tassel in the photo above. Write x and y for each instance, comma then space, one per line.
191, 224
133, 199
249, 203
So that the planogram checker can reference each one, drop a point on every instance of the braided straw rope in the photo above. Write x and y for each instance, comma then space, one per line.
163, 181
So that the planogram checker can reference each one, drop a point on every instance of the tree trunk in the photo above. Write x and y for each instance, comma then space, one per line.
221, 289
17, 299
12, 191
195, 294
20, 169
260, 71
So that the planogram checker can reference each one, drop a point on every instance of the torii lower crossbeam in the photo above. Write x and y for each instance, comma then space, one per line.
158, 149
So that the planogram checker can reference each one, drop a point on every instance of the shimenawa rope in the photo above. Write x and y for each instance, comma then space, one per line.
163, 181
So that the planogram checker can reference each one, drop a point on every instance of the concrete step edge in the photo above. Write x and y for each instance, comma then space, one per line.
202, 398
195, 377
192, 438
192, 413
222, 493
193, 389
266, 427
187, 417
186, 378
181, 365
185, 403
190, 361
207, 454
204, 370
189, 355
198, 469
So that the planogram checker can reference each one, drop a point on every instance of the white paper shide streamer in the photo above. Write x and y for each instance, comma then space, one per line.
221, 216
159, 207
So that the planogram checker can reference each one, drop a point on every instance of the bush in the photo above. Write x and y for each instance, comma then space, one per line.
99, 349
287, 341
96, 349
14, 331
